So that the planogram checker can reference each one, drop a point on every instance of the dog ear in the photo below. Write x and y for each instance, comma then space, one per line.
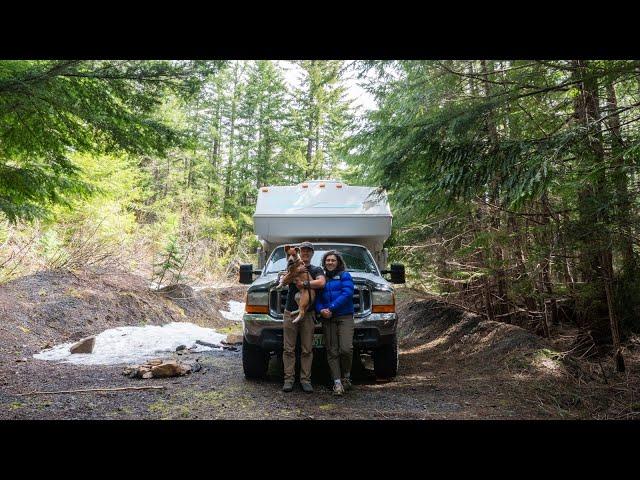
286, 249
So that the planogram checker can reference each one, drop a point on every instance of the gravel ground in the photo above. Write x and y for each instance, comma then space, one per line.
220, 391
452, 366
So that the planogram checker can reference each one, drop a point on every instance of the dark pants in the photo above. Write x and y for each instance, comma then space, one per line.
338, 338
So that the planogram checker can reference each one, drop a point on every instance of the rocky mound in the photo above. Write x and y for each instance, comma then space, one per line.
52, 307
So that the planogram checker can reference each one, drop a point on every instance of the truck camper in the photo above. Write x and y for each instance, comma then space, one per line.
356, 221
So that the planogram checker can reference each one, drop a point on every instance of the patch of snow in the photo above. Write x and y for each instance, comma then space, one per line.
136, 344
236, 310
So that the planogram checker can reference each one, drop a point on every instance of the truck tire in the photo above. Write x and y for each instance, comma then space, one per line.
385, 360
255, 361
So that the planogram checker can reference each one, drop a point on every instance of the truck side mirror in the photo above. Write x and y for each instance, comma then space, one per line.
246, 273
397, 273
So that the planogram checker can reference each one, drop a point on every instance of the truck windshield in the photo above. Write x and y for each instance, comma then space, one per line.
357, 259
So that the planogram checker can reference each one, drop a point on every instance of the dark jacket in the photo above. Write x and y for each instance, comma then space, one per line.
337, 295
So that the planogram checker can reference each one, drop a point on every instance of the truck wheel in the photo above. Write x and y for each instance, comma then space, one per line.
255, 361
385, 360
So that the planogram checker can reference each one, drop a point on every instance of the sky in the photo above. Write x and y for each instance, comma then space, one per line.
362, 99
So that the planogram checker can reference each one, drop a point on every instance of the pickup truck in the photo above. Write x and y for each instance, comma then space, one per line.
328, 213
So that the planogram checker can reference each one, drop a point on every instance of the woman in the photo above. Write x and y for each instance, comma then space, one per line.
334, 305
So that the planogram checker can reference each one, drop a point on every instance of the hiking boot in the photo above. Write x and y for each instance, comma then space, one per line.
346, 383
338, 389
287, 387
306, 387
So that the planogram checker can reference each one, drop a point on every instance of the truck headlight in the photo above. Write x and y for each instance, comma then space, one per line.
257, 302
383, 301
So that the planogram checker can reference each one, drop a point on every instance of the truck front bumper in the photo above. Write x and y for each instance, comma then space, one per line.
369, 332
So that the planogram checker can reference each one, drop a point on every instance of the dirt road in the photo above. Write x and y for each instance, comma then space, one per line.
220, 391
452, 366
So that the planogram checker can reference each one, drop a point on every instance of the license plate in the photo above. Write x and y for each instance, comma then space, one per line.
318, 341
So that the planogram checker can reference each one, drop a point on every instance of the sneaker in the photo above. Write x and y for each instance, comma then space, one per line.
346, 383
287, 387
306, 387
338, 389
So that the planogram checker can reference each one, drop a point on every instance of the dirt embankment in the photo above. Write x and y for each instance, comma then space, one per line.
58, 306
544, 378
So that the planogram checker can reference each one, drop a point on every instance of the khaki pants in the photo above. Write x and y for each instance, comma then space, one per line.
338, 339
290, 331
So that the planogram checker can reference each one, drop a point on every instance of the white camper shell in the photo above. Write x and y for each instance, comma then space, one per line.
323, 210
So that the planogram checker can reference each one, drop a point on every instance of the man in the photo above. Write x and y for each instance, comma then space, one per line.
304, 327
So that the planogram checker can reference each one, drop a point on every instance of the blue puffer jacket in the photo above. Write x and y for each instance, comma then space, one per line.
337, 295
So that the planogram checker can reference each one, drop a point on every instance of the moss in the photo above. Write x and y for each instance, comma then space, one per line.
231, 329
73, 292
160, 407
546, 353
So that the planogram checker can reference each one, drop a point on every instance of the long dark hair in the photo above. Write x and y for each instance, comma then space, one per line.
341, 267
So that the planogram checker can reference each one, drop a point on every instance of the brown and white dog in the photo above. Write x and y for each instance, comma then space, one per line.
297, 269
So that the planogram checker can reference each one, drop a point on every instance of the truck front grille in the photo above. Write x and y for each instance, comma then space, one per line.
361, 301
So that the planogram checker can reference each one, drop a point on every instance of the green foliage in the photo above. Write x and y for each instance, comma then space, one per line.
51, 109
168, 270
509, 172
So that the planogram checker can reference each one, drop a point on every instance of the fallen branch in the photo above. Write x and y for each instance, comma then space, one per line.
95, 390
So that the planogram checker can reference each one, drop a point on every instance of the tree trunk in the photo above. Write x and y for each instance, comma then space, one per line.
501, 306
624, 205
588, 114
227, 180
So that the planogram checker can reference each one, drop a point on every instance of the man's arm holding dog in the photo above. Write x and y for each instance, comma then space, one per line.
316, 284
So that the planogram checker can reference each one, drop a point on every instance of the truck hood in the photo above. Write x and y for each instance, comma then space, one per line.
265, 282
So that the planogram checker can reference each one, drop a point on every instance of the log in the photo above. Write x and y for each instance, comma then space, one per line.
118, 389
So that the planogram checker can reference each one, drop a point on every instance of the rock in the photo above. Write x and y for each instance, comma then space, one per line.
179, 348
170, 368
83, 346
233, 339
147, 375
47, 345
154, 361
21, 360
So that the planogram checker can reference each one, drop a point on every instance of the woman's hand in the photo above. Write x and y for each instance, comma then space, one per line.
325, 313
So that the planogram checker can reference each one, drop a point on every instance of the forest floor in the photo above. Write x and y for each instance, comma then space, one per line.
453, 365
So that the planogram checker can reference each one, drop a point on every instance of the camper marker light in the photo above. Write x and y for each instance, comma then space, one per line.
338, 185
265, 189
321, 185
305, 185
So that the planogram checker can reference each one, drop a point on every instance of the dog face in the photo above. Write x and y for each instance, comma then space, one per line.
293, 254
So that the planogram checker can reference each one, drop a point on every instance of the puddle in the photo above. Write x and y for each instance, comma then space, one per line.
236, 310
136, 344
